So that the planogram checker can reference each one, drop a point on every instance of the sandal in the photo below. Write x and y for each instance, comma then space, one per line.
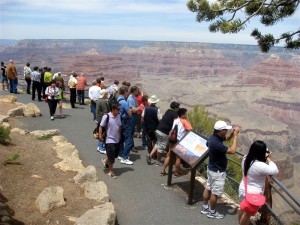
177, 174
112, 175
163, 173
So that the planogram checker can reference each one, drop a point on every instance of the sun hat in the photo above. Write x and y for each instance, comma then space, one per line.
153, 99
222, 125
103, 92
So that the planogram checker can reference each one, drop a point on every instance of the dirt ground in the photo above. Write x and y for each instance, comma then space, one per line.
22, 183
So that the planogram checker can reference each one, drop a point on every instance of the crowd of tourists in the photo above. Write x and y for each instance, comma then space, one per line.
123, 112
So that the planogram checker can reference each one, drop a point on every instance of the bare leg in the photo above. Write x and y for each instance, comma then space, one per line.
245, 219
240, 213
206, 196
213, 201
154, 150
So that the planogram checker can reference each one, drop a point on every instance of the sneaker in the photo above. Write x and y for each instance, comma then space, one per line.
52, 117
120, 158
126, 161
105, 165
102, 151
148, 159
112, 175
215, 215
98, 149
205, 211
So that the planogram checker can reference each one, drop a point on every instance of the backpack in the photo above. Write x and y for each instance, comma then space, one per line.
173, 134
96, 130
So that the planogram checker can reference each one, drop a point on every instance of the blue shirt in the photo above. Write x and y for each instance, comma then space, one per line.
131, 100
217, 153
124, 107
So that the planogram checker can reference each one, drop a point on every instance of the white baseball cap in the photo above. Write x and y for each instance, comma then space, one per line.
222, 125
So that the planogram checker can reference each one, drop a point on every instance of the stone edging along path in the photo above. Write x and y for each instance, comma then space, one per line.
52, 197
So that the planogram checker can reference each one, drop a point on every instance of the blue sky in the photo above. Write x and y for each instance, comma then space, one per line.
157, 20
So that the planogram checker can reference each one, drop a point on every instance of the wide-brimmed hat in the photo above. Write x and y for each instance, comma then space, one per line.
153, 99
103, 92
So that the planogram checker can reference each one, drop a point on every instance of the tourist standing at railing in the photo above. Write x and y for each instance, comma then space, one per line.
217, 164
132, 103
94, 94
12, 76
72, 85
36, 84
3, 76
42, 71
256, 165
27, 75
47, 78
52, 92
142, 107
80, 87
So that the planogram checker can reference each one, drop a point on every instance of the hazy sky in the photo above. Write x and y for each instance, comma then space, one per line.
158, 20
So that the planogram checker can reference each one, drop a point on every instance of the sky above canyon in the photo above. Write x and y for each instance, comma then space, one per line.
154, 20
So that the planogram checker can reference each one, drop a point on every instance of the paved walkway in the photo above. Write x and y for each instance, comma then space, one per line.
139, 194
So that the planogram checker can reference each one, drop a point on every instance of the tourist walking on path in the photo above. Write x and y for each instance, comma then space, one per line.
52, 92
183, 127
3, 78
58, 84
72, 85
256, 165
125, 113
151, 116
217, 164
27, 75
94, 94
102, 108
132, 103
80, 87
36, 84
162, 133
12, 76
112, 123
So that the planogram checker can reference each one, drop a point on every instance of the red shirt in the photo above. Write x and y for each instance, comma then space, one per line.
81, 82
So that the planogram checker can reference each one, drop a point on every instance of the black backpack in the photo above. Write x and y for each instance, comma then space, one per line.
96, 130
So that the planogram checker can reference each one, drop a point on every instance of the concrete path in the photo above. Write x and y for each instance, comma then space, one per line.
139, 194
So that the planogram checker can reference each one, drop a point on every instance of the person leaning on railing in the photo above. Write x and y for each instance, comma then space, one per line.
257, 164
217, 164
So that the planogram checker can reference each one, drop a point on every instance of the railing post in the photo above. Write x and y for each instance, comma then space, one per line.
265, 213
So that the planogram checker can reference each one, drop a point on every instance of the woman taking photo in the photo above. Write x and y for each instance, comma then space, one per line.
52, 92
257, 165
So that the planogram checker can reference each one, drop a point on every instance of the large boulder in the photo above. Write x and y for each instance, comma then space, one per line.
3, 118
86, 175
8, 98
45, 133
100, 215
31, 109
96, 191
50, 198
18, 111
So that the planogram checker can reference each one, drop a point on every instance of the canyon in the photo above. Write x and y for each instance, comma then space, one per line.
257, 91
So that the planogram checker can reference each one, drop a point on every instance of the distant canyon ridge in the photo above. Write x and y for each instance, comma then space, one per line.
257, 91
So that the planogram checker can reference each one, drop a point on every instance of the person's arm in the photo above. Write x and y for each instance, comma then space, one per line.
232, 149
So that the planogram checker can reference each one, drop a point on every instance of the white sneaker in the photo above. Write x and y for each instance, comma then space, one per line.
126, 161
215, 215
120, 158
102, 151
52, 118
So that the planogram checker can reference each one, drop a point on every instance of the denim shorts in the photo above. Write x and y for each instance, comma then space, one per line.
215, 182
3, 78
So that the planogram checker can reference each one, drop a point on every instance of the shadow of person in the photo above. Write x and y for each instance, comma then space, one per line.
119, 171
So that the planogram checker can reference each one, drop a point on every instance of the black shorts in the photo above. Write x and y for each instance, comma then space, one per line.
112, 152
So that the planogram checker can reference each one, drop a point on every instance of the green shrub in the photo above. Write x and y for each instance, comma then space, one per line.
12, 159
4, 133
45, 137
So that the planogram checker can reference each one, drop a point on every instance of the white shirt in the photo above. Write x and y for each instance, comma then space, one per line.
256, 177
94, 93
